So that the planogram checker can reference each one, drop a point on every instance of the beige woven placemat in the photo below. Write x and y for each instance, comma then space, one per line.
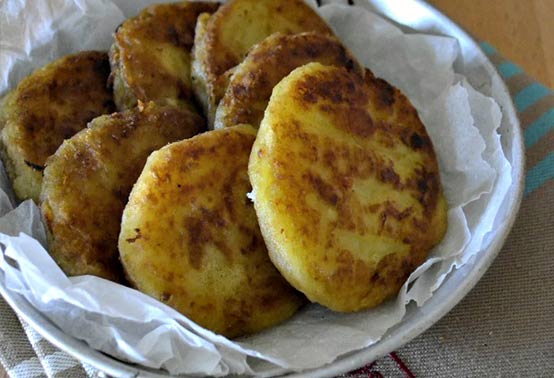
503, 328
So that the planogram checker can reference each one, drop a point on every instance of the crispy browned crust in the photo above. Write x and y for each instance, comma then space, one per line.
267, 64
348, 192
47, 107
150, 57
190, 237
88, 180
231, 31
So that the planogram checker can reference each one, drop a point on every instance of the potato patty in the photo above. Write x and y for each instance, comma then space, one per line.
347, 187
88, 180
47, 107
223, 40
150, 57
190, 238
266, 64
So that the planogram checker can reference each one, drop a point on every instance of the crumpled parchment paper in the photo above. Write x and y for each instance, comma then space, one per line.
126, 324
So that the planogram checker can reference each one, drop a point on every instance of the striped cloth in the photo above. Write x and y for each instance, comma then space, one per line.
504, 327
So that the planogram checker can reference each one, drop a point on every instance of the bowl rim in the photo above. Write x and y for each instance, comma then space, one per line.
114, 367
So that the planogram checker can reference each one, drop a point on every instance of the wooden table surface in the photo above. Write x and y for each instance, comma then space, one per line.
523, 31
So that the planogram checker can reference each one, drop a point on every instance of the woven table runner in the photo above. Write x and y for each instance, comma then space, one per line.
503, 328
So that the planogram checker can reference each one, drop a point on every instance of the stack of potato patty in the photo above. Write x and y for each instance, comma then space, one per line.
316, 182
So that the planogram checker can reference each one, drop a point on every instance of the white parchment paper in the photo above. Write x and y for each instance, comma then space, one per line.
126, 324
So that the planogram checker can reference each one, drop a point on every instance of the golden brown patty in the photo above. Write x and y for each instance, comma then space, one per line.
150, 57
223, 40
347, 188
190, 238
51, 105
266, 64
88, 180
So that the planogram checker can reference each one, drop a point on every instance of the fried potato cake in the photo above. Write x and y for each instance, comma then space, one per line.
50, 105
150, 56
270, 61
88, 180
190, 238
222, 40
346, 186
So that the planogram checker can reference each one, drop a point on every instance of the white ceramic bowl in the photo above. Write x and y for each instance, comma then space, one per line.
414, 15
